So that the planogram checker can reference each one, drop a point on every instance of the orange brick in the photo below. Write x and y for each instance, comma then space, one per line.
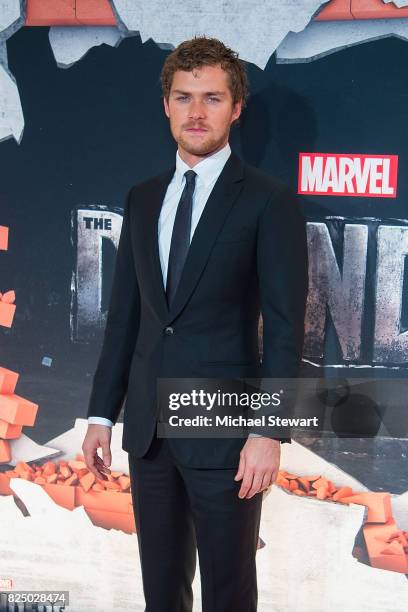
69, 12
124, 521
23, 467
87, 481
8, 431
124, 482
7, 314
378, 505
377, 9
40, 480
65, 471
95, 12
293, 484
103, 500
114, 486
49, 468
72, 480
8, 380
335, 10
8, 297
402, 538
282, 482
322, 492
117, 474
342, 492
50, 12
62, 495
17, 410
382, 554
332, 487
5, 452
289, 476
77, 466
5, 488
27, 476
320, 482
4, 231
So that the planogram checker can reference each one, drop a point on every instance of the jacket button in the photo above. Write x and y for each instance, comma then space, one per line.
169, 331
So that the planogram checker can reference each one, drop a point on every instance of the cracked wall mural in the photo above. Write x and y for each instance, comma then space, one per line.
81, 120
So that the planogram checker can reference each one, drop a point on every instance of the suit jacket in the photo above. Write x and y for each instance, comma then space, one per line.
248, 254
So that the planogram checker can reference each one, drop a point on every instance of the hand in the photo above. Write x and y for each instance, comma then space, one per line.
98, 436
258, 465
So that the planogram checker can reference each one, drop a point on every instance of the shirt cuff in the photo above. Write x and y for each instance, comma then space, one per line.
281, 440
95, 420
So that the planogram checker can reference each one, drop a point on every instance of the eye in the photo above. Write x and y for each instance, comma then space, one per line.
213, 99
181, 98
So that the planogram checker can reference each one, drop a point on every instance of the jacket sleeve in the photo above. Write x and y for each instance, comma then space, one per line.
110, 380
282, 265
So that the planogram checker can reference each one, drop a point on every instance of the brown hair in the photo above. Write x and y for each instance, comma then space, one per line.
203, 51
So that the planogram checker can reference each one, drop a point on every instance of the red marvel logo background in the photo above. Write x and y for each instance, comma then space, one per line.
348, 174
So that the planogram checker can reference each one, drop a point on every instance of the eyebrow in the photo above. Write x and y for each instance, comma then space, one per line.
207, 93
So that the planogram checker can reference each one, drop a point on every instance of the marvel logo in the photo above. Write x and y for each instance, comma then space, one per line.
348, 175
6, 583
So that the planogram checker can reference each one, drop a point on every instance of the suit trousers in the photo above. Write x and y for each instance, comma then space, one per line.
181, 510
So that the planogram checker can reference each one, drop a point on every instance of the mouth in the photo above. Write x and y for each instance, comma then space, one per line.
196, 130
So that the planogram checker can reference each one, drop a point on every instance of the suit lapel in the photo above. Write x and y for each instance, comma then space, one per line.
149, 237
218, 205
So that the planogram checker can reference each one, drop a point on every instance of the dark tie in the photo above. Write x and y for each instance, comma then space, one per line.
180, 238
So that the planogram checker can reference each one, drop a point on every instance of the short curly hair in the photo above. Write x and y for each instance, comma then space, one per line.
202, 51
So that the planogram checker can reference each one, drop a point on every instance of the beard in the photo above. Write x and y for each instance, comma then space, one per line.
201, 146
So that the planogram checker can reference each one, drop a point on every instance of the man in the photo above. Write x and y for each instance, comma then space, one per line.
204, 248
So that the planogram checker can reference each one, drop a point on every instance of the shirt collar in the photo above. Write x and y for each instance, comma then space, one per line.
207, 170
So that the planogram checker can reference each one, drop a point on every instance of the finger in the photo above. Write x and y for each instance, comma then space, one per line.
101, 468
241, 469
274, 475
246, 483
106, 453
89, 456
256, 485
101, 465
266, 481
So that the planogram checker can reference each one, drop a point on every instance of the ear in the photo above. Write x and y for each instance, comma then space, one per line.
236, 111
166, 107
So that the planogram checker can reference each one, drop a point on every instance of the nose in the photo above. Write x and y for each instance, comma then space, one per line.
196, 110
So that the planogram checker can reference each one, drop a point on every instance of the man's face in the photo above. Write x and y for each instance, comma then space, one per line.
201, 111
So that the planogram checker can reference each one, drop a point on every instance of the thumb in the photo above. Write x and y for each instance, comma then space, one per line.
241, 469
106, 453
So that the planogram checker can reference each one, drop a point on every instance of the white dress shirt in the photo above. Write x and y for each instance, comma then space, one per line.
208, 171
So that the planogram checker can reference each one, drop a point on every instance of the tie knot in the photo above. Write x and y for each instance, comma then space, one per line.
190, 177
